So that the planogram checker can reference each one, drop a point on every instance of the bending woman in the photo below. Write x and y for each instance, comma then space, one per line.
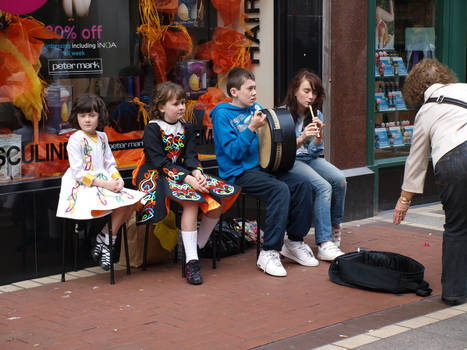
329, 183
440, 127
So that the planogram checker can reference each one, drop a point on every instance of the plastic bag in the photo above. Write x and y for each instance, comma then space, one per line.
229, 242
167, 232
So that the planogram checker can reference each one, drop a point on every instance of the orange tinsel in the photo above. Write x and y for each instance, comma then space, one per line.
227, 49
20, 49
228, 10
208, 101
162, 43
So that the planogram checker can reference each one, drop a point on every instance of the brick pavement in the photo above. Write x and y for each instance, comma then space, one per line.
237, 307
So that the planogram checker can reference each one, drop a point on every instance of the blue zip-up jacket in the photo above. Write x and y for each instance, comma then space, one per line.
236, 145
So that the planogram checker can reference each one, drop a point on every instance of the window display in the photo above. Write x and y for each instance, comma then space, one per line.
117, 49
402, 40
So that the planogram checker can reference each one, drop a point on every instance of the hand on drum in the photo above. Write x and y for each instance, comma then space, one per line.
258, 120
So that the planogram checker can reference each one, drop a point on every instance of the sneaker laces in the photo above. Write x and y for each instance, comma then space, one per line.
305, 248
273, 256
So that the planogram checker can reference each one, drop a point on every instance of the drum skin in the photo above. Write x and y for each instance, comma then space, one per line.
277, 142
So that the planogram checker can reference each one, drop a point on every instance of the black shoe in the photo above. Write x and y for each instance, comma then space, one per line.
192, 271
97, 248
105, 257
96, 252
453, 301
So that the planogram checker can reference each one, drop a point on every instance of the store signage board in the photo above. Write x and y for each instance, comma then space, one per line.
92, 38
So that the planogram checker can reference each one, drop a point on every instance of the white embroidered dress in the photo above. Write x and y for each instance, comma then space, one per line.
90, 156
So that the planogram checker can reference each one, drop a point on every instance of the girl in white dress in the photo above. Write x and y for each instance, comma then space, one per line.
92, 187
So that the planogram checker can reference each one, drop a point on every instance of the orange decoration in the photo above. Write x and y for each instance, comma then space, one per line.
227, 49
125, 158
208, 101
20, 50
228, 9
166, 5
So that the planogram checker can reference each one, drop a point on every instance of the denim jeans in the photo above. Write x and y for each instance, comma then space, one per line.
288, 197
329, 185
451, 177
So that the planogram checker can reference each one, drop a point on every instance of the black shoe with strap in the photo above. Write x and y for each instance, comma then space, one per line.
192, 270
96, 250
105, 257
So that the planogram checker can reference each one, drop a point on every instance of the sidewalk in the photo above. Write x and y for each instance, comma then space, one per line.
237, 307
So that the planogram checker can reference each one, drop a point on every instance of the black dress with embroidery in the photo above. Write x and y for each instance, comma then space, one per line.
170, 155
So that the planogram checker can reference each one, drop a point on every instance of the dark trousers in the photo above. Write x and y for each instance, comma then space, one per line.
289, 204
451, 176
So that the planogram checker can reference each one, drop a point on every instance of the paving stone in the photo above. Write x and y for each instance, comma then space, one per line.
27, 284
388, 331
356, 341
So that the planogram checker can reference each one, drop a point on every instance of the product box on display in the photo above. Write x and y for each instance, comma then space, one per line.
10, 157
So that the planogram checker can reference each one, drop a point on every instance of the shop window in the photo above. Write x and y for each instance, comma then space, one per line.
99, 47
405, 34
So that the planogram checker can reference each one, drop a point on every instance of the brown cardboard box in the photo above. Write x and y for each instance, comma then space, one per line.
135, 234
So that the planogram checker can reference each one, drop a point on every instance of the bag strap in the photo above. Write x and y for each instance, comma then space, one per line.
443, 99
422, 289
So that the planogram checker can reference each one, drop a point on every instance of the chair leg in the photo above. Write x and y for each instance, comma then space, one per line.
75, 235
258, 232
242, 242
112, 272
145, 249
64, 227
127, 256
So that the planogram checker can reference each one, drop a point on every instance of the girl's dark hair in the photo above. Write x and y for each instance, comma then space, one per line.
86, 103
236, 77
291, 101
162, 93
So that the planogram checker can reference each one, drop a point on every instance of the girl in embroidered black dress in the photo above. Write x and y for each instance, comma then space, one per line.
170, 170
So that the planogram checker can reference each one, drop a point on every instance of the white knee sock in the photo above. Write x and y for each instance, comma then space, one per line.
205, 229
189, 242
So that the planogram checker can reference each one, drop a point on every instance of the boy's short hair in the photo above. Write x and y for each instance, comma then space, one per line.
237, 77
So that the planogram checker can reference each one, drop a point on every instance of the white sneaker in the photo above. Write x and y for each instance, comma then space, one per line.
299, 252
270, 262
336, 235
328, 251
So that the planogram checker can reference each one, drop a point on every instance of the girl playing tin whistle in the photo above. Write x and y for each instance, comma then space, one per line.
304, 100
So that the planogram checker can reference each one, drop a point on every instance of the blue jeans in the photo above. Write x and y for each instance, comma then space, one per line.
287, 197
451, 177
329, 185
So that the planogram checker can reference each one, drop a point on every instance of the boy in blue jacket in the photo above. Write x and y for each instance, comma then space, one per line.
288, 196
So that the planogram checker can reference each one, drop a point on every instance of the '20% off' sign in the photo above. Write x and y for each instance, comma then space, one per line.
68, 32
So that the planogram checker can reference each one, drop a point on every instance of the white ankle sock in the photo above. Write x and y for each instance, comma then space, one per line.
205, 229
104, 238
189, 242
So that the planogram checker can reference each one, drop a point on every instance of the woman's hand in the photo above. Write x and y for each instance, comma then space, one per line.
312, 129
193, 182
403, 204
